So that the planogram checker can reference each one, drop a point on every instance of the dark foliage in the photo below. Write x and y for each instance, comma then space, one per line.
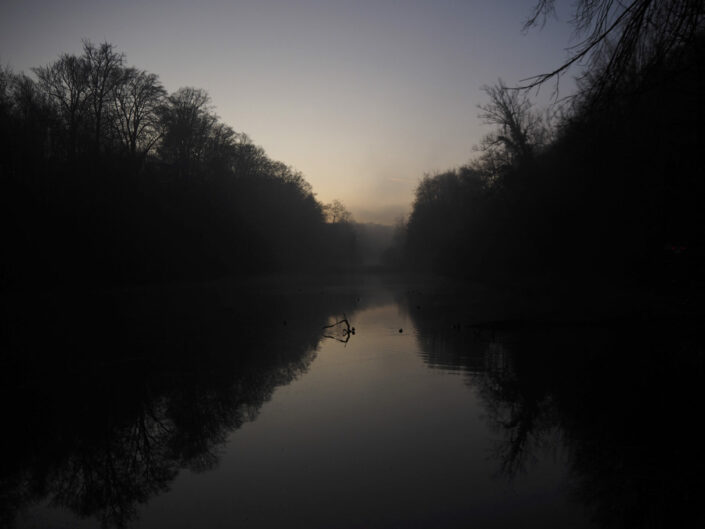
615, 195
106, 179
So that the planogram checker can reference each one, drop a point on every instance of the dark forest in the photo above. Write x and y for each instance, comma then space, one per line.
107, 179
606, 186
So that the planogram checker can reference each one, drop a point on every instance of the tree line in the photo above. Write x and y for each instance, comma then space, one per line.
106, 177
605, 186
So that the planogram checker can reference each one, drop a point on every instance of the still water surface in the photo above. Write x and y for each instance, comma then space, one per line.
223, 407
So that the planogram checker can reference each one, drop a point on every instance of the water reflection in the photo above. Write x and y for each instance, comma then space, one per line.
339, 330
107, 397
622, 398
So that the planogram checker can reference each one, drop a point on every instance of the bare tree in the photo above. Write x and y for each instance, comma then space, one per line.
103, 71
137, 99
220, 148
520, 130
618, 33
6, 77
249, 158
336, 212
66, 84
187, 120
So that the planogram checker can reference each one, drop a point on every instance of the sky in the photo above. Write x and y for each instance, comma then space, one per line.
363, 97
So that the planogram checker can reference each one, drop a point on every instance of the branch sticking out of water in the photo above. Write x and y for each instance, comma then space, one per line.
347, 331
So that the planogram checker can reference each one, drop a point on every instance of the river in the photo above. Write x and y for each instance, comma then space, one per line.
233, 405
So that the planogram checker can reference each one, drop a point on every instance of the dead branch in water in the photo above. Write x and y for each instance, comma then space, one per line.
347, 332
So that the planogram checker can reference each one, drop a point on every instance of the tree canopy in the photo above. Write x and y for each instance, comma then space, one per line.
610, 191
109, 178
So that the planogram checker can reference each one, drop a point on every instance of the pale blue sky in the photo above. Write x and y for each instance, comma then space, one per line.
362, 97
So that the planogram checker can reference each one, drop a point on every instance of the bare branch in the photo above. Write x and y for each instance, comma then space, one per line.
619, 33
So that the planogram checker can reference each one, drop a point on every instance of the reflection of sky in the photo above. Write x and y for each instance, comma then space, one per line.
362, 97
368, 437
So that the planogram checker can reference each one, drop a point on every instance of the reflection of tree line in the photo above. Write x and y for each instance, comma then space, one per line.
107, 430
624, 398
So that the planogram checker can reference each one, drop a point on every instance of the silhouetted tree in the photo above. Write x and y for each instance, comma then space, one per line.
66, 83
647, 33
446, 211
337, 212
104, 73
187, 122
519, 129
220, 150
138, 97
